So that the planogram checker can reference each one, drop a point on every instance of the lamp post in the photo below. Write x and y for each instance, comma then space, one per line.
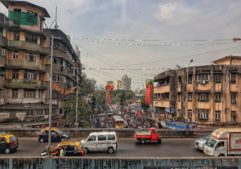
187, 88
77, 94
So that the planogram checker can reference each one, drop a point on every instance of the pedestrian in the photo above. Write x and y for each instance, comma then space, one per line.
61, 153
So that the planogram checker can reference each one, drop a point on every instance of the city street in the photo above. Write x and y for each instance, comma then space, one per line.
179, 147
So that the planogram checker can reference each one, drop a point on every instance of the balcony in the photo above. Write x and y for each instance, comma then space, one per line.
162, 103
2, 61
162, 89
234, 88
204, 86
3, 41
61, 70
26, 84
26, 64
28, 46
203, 105
2, 81
63, 55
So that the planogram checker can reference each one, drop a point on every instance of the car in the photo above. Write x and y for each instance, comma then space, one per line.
56, 135
8, 143
100, 142
199, 143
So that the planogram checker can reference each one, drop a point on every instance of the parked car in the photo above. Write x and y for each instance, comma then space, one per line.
148, 136
56, 135
199, 143
8, 143
101, 141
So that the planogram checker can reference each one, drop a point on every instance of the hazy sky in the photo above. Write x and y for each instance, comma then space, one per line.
142, 38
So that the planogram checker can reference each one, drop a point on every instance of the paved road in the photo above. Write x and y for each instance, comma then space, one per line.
179, 147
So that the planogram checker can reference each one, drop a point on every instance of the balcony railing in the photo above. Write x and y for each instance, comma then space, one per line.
162, 89
162, 103
26, 84
26, 64
28, 46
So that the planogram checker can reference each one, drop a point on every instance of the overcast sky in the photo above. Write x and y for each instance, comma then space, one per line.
149, 36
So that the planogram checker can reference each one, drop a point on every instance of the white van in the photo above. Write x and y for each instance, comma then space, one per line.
101, 142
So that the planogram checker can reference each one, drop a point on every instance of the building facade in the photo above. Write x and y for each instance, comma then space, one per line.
202, 94
124, 83
25, 64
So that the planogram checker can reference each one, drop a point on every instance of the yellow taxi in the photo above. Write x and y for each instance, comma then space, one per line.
8, 143
56, 135
71, 148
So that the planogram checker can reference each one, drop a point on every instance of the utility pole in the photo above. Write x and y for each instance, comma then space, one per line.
186, 115
77, 99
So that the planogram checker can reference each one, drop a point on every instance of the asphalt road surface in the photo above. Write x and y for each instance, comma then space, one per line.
179, 147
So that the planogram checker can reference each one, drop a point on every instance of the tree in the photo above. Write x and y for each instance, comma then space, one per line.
86, 89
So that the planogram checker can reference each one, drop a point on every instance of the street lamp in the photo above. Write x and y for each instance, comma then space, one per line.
187, 88
77, 94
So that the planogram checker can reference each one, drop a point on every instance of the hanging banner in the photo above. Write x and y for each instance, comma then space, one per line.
109, 88
149, 92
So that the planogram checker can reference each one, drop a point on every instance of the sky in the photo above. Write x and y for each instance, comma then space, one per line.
142, 38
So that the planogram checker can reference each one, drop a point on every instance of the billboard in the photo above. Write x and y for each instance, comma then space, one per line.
149, 92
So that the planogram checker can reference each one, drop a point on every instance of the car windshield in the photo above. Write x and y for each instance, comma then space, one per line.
211, 143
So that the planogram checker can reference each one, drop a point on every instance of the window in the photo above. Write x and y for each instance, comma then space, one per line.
217, 78
218, 97
233, 98
203, 97
3, 52
203, 114
202, 77
40, 112
30, 57
233, 116
15, 74
189, 96
179, 97
29, 112
15, 55
189, 79
217, 115
31, 38
111, 137
17, 10
15, 93
189, 114
101, 138
92, 138
29, 93
30, 75
16, 36
233, 78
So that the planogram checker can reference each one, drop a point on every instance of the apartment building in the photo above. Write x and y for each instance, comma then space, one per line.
25, 64
203, 94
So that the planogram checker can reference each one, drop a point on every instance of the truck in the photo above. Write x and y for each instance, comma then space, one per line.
148, 136
224, 142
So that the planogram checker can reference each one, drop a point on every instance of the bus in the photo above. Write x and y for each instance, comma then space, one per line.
118, 122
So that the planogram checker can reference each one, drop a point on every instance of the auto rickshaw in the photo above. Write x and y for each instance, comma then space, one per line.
8, 143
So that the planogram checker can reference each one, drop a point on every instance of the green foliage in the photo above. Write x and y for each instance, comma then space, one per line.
86, 89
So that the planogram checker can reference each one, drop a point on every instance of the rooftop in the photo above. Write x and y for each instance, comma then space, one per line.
24, 3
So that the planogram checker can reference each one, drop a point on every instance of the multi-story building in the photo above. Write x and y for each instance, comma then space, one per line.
25, 64
204, 94
124, 83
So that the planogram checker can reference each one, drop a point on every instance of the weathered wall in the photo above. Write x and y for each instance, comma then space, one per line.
122, 133
120, 163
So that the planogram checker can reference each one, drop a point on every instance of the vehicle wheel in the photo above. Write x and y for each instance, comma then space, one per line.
221, 155
41, 140
110, 150
159, 141
7, 151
